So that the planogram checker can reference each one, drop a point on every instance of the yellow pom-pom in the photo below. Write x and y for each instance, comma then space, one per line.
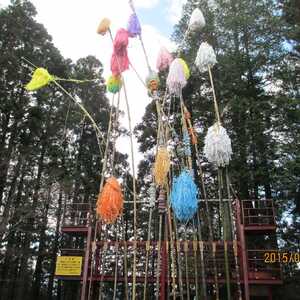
186, 69
103, 26
114, 84
40, 78
161, 165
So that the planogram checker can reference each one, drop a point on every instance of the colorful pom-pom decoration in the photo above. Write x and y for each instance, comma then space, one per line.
152, 81
164, 59
186, 69
110, 201
134, 27
114, 84
186, 143
176, 79
184, 197
206, 57
103, 26
217, 147
197, 20
152, 194
40, 78
161, 165
119, 60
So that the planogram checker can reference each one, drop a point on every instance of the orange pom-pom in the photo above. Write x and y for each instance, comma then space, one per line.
103, 26
110, 201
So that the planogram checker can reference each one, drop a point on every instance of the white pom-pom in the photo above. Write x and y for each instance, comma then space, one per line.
176, 80
197, 21
217, 148
206, 57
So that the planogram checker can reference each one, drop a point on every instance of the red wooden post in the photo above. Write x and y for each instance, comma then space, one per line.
244, 260
270, 293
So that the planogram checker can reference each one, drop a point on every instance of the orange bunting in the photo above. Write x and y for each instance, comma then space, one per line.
110, 201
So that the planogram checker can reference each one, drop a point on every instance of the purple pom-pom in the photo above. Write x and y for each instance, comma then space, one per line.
134, 26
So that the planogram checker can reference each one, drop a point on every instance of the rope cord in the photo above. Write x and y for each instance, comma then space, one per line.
96, 128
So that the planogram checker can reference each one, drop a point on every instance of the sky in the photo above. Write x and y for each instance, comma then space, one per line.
73, 24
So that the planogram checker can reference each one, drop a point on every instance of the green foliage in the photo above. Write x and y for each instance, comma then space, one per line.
49, 155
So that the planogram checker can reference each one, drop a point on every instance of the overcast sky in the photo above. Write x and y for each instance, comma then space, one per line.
73, 24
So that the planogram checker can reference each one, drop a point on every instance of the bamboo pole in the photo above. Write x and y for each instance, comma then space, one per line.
234, 234
125, 261
186, 249
133, 181
158, 256
147, 254
210, 231
116, 266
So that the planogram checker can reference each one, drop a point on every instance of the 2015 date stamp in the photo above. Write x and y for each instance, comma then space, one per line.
272, 257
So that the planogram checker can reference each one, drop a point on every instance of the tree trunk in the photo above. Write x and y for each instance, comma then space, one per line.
56, 244
38, 268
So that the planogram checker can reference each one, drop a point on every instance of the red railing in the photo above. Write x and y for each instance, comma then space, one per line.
77, 214
261, 268
258, 212
106, 253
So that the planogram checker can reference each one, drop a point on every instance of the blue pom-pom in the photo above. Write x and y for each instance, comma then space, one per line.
184, 197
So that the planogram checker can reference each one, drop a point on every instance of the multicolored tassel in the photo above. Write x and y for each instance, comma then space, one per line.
114, 84
152, 195
184, 197
176, 79
186, 143
186, 69
152, 81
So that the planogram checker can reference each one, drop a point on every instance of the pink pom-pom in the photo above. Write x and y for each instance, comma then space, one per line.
119, 60
164, 59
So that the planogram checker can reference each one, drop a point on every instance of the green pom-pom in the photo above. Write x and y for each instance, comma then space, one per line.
114, 84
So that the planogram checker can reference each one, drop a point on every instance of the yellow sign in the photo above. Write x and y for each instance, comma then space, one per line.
68, 266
